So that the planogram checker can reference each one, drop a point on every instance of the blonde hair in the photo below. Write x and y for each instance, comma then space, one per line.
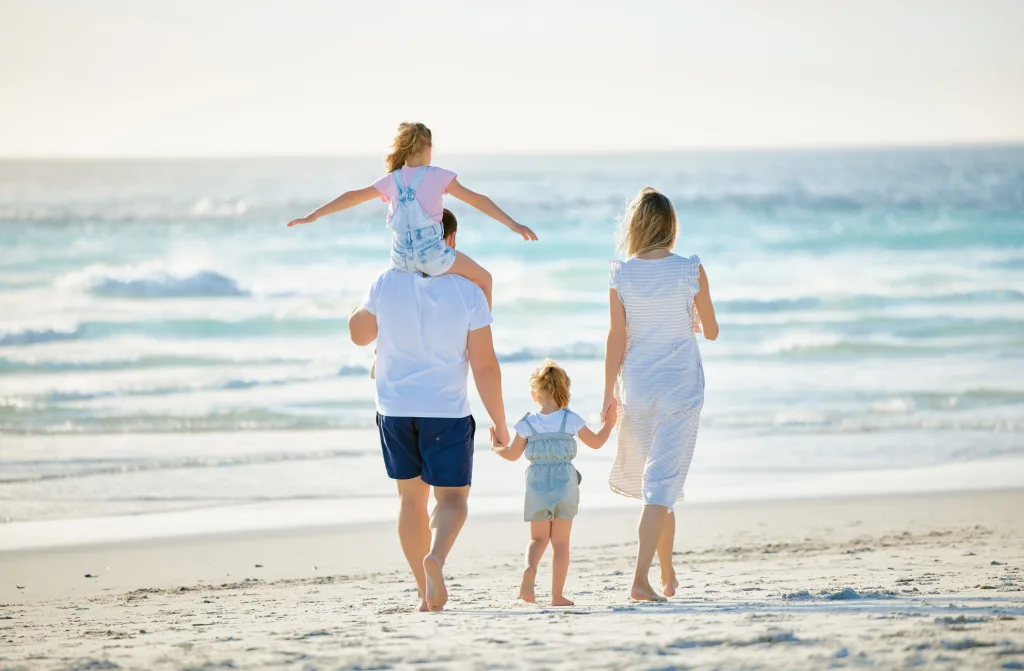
649, 224
412, 138
551, 381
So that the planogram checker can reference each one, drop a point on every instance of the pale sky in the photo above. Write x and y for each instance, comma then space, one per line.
334, 77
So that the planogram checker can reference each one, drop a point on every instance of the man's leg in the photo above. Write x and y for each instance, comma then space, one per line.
414, 529
446, 521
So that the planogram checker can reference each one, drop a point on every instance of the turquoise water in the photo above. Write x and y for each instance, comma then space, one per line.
871, 302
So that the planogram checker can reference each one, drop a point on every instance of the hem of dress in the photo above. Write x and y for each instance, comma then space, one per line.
641, 498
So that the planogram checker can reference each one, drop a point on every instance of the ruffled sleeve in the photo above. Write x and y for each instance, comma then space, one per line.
613, 277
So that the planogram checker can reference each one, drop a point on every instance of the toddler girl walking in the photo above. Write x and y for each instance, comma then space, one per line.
548, 438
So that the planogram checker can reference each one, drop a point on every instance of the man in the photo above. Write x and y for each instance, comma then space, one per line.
429, 332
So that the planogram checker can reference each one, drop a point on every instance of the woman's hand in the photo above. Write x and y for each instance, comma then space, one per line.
524, 231
308, 219
608, 408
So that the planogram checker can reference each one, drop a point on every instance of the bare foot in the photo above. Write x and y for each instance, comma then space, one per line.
670, 584
644, 592
526, 589
437, 593
561, 601
423, 606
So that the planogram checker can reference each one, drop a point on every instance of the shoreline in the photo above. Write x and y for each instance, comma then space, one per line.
932, 581
312, 551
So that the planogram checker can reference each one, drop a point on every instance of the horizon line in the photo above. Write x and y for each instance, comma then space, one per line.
972, 144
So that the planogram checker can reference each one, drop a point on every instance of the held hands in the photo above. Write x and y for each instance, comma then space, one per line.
525, 231
308, 219
499, 438
609, 409
697, 326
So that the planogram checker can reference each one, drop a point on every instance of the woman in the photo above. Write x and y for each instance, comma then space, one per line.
653, 371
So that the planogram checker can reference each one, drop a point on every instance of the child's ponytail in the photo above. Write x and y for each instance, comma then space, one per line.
412, 138
552, 381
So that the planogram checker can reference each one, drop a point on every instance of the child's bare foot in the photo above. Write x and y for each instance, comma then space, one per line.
437, 594
561, 601
669, 583
526, 592
644, 592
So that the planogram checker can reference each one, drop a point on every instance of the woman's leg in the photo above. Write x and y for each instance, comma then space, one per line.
540, 534
474, 272
560, 560
651, 523
666, 546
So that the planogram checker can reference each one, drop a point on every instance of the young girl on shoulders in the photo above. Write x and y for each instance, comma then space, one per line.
413, 189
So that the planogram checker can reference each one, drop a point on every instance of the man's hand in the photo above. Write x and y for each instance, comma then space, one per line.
499, 438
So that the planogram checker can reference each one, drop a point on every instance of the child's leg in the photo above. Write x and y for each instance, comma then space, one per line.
540, 534
560, 560
474, 272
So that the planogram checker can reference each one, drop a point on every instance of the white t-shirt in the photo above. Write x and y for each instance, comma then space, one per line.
422, 327
550, 423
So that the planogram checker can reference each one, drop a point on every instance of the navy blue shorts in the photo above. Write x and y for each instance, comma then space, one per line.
439, 450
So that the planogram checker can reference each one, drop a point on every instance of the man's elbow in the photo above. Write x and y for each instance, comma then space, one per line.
360, 339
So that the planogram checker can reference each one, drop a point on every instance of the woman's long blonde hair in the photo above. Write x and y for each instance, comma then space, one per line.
551, 381
412, 138
649, 224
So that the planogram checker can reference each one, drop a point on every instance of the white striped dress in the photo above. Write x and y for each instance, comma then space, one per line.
661, 383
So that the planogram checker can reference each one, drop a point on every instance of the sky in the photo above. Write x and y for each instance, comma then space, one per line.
91, 78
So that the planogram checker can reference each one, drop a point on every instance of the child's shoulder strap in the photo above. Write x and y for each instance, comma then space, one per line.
565, 417
526, 419
418, 177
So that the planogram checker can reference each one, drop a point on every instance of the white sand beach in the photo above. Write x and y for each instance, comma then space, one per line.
924, 581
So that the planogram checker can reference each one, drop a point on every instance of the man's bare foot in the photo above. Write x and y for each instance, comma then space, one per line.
561, 601
670, 584
437, 594
644, 592
526, 592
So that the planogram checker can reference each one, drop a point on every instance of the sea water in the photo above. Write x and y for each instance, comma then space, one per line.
173, 359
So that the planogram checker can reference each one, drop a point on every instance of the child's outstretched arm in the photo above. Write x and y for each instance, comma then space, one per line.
342, 202
511, 452
597, 440
487, 206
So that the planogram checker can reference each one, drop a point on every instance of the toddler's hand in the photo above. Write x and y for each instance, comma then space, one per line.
524, 231
301, 220
697, 326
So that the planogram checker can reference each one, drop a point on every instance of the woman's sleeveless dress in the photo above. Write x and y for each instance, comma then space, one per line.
660, 390
552, 485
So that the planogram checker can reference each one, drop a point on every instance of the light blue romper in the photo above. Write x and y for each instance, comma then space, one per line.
552, 483
417, 241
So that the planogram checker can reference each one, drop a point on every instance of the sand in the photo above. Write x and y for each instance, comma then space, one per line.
922, 581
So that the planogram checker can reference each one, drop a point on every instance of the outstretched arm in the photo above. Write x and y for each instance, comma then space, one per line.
705, 308
513, 451
342, 202
596, 441
487, 206
615, 352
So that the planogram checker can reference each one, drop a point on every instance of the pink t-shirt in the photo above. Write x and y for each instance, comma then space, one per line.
432, 187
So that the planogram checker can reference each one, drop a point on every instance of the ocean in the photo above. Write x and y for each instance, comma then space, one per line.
173, 359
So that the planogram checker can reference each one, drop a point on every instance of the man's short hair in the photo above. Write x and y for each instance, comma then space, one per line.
449, 222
